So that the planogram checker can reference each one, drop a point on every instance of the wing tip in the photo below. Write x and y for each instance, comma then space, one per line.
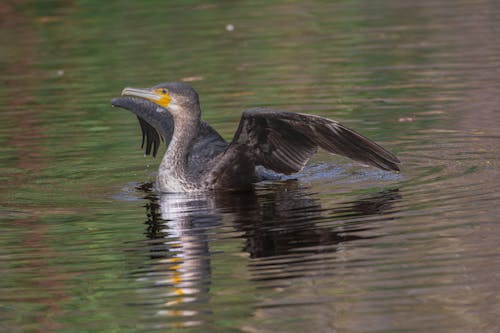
382, 162
395, 167
393, 164
120, 102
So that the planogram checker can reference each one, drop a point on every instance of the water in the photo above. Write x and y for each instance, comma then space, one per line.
87, 246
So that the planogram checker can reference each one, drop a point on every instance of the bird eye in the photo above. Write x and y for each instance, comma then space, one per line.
164, 91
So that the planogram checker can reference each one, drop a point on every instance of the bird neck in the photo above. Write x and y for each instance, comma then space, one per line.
174, 163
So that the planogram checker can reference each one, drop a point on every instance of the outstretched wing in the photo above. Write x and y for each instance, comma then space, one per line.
156, 125
284, 141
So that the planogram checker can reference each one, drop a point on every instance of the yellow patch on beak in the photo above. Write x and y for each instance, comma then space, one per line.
159, 95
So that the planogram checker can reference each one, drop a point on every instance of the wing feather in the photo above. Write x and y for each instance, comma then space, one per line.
155, 126
285, 141
150, 136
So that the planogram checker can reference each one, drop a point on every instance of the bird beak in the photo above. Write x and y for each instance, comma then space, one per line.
139, 92
158, 96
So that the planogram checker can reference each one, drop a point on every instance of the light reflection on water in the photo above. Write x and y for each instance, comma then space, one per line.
345, 248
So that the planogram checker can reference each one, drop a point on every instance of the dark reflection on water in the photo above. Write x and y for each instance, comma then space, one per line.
284, 220
278, 226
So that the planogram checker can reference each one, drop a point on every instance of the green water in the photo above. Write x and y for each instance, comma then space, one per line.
344, 249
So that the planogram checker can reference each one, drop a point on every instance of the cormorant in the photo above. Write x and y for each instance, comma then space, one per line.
266, 142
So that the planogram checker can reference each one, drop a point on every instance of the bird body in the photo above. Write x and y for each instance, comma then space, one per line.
266, 142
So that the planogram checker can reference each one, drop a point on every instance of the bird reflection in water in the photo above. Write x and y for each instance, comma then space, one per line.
281, 221
178, 225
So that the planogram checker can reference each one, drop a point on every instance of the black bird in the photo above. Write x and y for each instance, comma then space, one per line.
198, 158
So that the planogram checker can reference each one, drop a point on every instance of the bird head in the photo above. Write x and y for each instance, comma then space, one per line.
180, 99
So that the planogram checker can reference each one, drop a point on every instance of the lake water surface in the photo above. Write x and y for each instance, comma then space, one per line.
87, 246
